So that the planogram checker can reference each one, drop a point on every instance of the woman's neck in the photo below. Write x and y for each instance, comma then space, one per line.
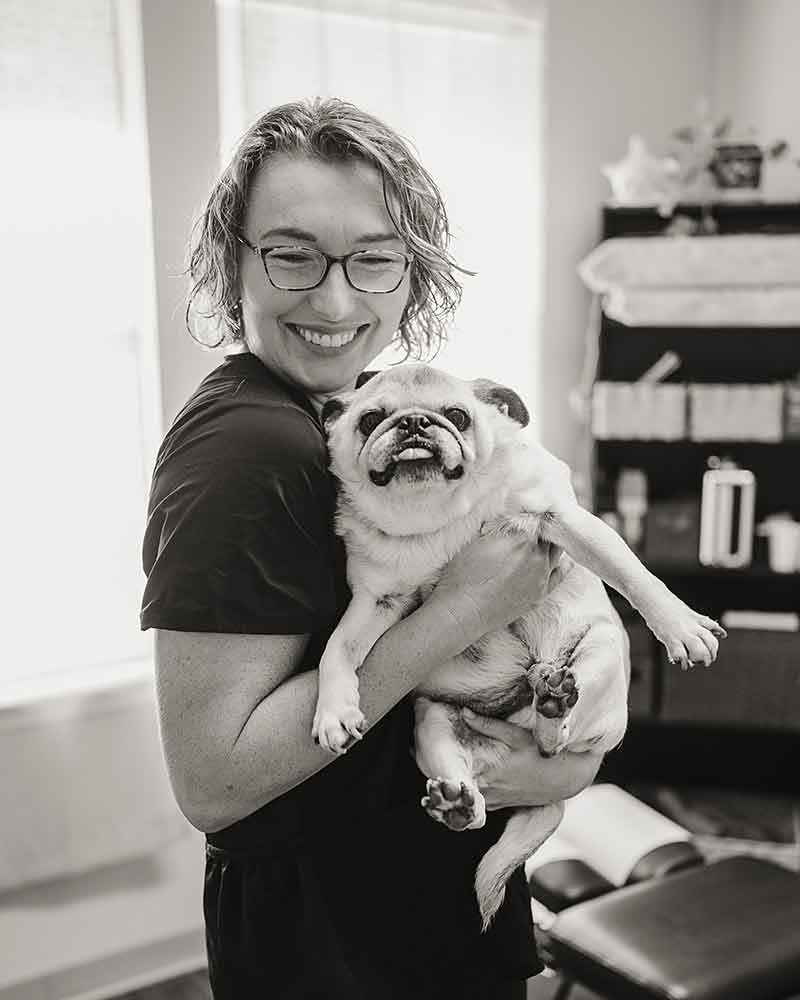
317, 399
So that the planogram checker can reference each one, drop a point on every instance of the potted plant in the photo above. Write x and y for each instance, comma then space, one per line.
731, 163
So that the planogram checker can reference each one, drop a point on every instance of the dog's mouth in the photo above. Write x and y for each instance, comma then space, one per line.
417, 459
416, 448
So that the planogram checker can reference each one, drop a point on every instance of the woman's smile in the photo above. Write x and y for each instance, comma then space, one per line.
327, 338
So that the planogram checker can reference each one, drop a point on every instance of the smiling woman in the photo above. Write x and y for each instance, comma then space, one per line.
246, 582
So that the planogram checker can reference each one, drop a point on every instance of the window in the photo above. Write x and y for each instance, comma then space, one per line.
463, 81
75, 264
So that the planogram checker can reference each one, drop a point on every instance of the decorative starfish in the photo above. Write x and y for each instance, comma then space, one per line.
640, 178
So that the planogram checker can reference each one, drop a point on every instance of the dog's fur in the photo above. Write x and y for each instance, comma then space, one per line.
426, 462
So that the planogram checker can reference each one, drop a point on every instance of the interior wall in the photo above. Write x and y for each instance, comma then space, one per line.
757, 77
181, 83
614, 67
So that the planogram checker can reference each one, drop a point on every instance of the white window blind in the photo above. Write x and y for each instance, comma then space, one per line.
72, 257
463, 81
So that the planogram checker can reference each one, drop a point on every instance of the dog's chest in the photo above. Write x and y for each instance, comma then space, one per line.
381, 561
400, 563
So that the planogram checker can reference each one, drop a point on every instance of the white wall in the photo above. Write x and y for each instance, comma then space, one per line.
757, 77
85, 785
181, 84
614, 67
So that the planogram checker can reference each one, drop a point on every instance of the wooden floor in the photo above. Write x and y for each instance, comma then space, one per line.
196, 987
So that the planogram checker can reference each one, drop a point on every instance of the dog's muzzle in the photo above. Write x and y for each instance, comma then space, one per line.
414, 449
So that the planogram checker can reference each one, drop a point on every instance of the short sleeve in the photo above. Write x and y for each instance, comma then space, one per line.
239, 535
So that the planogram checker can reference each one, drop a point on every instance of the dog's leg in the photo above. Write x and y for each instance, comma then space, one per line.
525, 831
452, 795
688, 636
338, 719
599, 664
556, 694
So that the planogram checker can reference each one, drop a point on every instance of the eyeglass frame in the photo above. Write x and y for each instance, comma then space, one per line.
329, 261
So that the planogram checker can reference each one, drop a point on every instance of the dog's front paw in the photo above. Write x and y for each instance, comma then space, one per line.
457, 804
337, 726
688, 637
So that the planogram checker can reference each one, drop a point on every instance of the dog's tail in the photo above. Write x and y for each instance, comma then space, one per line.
524, 833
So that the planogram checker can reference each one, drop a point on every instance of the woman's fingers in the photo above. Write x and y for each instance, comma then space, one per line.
498, 729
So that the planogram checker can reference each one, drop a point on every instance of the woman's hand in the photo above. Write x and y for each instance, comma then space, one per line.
496, 579
526, 778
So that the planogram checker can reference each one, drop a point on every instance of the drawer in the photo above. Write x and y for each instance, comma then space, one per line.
755, 681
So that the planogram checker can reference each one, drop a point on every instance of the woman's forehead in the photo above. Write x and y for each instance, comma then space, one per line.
318, 197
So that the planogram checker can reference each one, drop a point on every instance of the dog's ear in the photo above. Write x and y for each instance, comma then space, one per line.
332, 409
505, 399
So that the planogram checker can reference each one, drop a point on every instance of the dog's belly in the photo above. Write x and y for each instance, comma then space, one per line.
495, 676
490, 677
499, 701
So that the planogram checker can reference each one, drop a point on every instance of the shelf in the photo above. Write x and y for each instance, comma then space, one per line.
724, 756
721, 445
731, 217
714, 591
757, 572
659, 747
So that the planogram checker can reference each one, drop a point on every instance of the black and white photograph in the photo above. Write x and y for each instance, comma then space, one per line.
403, 513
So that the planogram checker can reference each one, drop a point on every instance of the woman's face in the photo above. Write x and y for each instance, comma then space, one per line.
337, 208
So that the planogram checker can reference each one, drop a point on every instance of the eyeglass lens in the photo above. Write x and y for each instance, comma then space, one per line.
298, 268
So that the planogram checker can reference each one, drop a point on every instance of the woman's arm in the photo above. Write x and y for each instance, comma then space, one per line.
236, 721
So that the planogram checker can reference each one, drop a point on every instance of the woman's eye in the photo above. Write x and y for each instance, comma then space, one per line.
369, 421
458, 418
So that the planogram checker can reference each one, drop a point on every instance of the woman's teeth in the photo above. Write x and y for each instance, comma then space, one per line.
324, 339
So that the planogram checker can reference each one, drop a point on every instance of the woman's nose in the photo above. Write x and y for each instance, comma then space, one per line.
334, 298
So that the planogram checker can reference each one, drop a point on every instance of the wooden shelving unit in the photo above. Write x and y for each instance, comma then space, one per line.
727, 734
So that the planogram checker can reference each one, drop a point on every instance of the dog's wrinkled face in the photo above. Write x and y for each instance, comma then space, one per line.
416, 430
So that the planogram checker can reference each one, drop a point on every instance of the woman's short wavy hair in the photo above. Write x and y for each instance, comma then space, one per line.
334, 131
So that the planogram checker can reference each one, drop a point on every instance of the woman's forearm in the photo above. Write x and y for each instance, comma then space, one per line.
263, 746
274, 751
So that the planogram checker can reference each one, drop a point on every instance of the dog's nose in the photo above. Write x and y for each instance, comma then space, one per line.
413, 423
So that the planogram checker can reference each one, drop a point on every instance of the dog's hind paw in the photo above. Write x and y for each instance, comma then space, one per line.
556, 693
457, 804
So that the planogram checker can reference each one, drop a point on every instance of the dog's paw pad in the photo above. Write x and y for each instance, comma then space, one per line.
556, 693
458, 805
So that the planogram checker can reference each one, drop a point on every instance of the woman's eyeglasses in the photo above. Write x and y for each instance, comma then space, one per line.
299, 269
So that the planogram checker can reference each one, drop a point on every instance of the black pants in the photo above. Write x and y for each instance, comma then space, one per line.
269, 937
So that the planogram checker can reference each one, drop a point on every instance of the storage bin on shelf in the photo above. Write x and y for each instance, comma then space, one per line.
695, 411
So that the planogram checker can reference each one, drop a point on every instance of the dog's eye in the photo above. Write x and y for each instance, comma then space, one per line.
369, 421
458, 418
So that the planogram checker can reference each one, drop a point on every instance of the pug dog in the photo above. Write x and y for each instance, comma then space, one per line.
425, 462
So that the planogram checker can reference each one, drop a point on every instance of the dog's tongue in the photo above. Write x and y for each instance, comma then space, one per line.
409, 454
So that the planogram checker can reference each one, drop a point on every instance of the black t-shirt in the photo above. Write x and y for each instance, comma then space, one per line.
240, 539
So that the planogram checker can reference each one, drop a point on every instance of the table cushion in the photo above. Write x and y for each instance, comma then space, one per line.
726, 931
